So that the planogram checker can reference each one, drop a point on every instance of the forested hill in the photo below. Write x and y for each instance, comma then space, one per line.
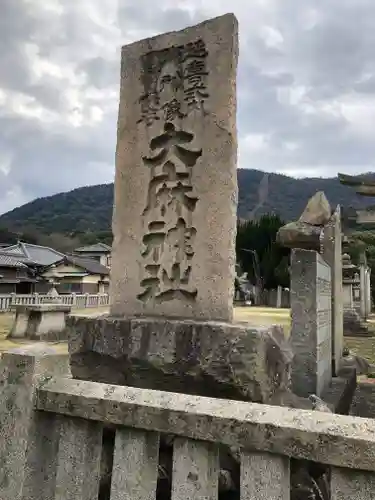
88, 210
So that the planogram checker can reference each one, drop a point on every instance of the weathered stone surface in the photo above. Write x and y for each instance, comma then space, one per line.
40, 321
317, 211
319, 404
206, 358
353, 484
340, 393
364, 400
332, 254
265, 476
176, 182
78, 460
311, 332
22, 468
285, 431
299, 235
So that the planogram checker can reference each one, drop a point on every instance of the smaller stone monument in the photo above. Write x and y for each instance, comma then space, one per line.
311, 332
44, 321
40, 322
311, 298
354, 326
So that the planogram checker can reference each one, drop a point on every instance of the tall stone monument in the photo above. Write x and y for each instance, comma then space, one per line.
175, 209
173, 264
332, 253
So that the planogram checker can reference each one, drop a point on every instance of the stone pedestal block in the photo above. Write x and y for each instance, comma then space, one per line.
213, 359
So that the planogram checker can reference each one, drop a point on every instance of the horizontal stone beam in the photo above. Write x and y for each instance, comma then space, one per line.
321, 437
365, 217
354, 180
365, 190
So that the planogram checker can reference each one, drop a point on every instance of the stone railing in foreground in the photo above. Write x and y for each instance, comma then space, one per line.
52, 429
79, 301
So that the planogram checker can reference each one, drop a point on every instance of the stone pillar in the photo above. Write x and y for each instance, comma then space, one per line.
311, 333
357, 293
279, 292
175, 199
363, 290
27, 437
332, 254
347, 288
368, 292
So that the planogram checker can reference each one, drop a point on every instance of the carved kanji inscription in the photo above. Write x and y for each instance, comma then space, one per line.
168, 243
174, 81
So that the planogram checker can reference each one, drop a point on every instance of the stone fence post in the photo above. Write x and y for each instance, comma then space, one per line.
311, 334
26, 435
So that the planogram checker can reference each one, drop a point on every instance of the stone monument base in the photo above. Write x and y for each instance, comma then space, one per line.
233, 361
40, 322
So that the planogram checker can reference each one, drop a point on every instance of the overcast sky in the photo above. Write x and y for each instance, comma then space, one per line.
306, 88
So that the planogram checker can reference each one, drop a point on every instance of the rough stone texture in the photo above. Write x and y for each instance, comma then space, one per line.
140, 451
78, 460
40, 322
265, 476
340, 393
295, 433
299, 235
364, 400
175, 195
42, 454
195, 470
311, 323
317, 211
207, 358
332, 254
353, 484
20, 372
305, 233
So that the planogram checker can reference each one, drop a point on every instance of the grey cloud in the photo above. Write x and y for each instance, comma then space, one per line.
321, 48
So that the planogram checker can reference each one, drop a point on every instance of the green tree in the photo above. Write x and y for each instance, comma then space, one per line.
259, 254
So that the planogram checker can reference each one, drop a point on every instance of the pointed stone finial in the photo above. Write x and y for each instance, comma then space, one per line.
317, 211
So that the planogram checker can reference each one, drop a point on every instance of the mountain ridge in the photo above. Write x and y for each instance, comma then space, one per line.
89, 208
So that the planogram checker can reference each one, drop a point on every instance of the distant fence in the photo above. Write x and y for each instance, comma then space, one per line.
75, 300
